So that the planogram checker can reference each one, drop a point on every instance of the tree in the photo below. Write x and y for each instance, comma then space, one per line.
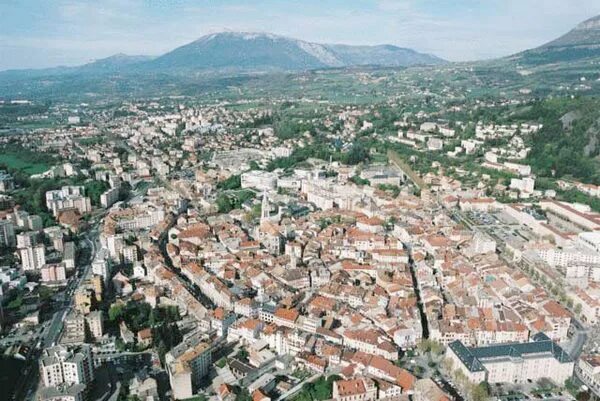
115, 312
356, 155
480, 392
243, 395
321, 389
233, 182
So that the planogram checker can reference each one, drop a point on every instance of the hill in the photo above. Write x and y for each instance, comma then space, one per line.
582, 42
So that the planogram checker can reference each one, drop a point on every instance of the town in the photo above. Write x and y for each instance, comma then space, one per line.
172, 250
378, 200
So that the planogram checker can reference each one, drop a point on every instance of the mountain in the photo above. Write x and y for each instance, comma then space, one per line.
115, 63
242, 51
582, 42
384, 55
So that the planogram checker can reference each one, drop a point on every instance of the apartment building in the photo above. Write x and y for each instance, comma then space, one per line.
66, 365
66, 198
33, 258
187, 364
7, 233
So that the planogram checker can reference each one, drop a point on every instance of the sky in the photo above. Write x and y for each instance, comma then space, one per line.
47, 33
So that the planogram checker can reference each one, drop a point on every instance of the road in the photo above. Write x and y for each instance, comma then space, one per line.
50, 336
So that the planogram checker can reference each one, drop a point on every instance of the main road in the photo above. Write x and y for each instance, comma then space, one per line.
50, 336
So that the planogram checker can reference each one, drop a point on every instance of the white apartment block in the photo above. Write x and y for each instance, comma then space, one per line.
27, 239
33, 258
555, 256
62, 365
68, 197
143, 220
108, 198
7, 233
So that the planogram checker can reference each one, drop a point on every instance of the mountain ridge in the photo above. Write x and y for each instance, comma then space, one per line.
581, 42
247, 52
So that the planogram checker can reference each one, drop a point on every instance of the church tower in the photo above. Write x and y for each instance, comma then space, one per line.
265, 209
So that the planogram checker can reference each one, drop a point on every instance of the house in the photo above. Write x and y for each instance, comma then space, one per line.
144, 337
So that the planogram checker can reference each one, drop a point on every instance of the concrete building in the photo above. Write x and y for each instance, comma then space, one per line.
108, 198
6, 182
261, 180
68, 197
27, 239
69, 255
66, 365
7, 233
512, 362
33, 258
187, 364
95, 323
73, 329
54, 273
73, 392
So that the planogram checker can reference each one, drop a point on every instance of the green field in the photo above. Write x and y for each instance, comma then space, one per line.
19, 162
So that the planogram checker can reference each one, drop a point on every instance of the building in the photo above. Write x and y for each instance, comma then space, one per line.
187, 364
66, 365
258, 179
74, 392
108, 198
101, 266
35, 222
73, 329
6, 182
53, 273
574, 217
359, 389
84, 300
69, 255
512, 362
130, 254
525, 185
66, 198
27, 239
7, 233
33, 258
588, 369
95, 324
115, 244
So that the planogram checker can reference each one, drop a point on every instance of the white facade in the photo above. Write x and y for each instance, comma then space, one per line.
261, 180
68, 197
33, 258
7, 233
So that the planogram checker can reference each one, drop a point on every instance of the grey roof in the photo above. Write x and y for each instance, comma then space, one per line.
48, 393
472, 357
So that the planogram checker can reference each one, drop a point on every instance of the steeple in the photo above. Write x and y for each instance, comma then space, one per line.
265, 209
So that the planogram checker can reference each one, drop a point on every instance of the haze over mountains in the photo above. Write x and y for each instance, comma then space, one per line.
250, 52
232, 55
